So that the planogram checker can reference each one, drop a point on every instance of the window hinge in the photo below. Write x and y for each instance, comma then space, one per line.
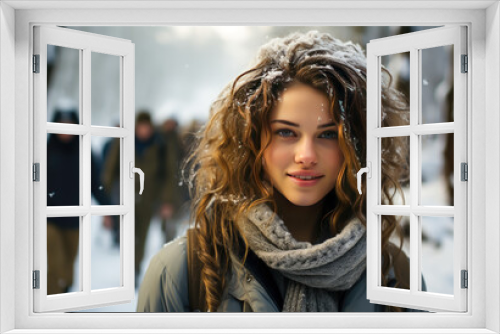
465, 279
464, 171
36, 172
465, 64
36, 63
36, 279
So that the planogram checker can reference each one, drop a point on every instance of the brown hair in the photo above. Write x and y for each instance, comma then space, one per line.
225, 172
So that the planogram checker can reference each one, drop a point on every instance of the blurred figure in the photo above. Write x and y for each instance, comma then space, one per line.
174, 153
112, 224
63, 181
150, 157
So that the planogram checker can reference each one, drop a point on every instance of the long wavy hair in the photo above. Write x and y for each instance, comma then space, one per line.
225, 168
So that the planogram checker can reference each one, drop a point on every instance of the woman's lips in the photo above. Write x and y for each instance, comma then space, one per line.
305, 183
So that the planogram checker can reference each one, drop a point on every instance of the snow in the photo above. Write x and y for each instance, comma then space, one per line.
272, 74
106, 259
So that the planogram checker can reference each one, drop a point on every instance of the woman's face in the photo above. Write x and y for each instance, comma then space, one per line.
304, 158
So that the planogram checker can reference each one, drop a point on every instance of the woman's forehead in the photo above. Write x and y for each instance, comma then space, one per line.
301, 102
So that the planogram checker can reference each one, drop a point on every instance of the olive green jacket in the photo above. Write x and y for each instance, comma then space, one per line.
165, 287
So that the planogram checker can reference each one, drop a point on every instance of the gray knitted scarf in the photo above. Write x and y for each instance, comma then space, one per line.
316, 272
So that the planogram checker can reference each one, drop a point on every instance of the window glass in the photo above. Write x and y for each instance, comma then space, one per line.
398, 78
105, 248
437, 170
63, 269
396, 250
63, 84
437, 253
437, 85
63, 170
395, 166
105, 178
106, 102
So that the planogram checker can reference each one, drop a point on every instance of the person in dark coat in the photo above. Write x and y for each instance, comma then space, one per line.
63, 189
150, 152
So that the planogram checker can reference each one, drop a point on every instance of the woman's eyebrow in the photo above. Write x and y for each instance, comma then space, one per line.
296, 125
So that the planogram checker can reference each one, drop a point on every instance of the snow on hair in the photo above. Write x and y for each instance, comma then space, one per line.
225, 168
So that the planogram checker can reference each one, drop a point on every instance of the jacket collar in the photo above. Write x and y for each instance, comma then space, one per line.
253, 283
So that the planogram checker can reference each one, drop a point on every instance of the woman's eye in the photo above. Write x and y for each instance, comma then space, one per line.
329, 135
284, 133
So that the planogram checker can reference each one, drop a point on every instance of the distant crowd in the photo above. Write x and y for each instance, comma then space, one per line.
159, 152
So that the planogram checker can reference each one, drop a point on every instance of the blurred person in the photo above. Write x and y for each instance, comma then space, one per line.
279, 223
150, 158
174, 154
63, 180
114, 192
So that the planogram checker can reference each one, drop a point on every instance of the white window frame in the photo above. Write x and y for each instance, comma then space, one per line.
414, 44
483, 21
85, 44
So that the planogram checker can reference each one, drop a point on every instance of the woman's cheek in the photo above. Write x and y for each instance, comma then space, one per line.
280, 152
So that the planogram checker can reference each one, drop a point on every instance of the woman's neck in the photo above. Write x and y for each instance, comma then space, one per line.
302, 221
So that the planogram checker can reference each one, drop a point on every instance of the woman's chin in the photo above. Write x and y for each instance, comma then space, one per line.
303, 200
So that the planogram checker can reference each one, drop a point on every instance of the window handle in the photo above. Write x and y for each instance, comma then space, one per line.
367, 170
141, 175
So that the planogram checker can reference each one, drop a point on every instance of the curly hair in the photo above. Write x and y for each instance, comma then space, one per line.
225, 169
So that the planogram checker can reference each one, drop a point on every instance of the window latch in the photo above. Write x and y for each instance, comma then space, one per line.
133, 170
367, 170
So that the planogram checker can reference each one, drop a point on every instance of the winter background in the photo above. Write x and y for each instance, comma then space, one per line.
181, 70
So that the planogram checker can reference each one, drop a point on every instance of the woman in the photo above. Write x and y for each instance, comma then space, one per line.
280, 225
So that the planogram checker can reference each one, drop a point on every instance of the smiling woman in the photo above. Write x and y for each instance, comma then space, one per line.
303, 159
274, 190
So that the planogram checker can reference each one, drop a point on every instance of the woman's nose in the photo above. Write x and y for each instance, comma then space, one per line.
306, 153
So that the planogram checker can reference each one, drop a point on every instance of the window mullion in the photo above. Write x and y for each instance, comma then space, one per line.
415, 74
109, 132
108, 210
66, 211
69, 129
85, 175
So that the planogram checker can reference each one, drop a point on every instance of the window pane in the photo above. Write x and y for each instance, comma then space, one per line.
395, 74
437, 84
105, 182
437, 253
395, 167
395, 252
105, 89
437, 170
105, 248
63, 255
63, 170
63, 84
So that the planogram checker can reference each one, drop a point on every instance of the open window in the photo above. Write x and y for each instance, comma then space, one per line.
415, 134
74, 211
17, 18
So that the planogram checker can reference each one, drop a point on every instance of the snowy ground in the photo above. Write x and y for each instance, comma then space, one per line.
106, 257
